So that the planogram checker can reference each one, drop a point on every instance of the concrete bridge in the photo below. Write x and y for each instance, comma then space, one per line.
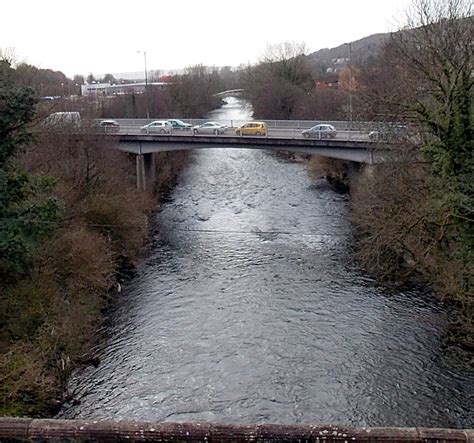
36, 430
144, 146
351, 143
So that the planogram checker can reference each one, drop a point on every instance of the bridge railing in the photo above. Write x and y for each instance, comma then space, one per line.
26, 430
340, 125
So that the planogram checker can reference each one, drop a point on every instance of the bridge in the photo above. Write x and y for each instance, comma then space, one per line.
144, 146
349, 144
230, 93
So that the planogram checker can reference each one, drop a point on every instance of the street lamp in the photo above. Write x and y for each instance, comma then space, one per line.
146, 85
350, 84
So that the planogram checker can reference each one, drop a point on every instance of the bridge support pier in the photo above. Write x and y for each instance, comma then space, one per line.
146, 174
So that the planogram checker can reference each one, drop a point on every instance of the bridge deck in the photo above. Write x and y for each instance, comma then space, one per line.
360, 151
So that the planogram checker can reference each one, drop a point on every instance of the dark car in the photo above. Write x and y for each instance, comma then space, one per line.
179, 125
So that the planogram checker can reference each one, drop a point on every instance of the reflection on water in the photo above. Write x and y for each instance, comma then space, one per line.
233, 112
249, 309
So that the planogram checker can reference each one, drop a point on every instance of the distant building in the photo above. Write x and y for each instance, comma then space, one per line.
106, 89
340, 61
327, 82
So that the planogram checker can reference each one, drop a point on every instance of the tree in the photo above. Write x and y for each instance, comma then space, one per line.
426, 216
278, 84
90, 78
25, 210
109, 78
192, 93
436, 55
78, 79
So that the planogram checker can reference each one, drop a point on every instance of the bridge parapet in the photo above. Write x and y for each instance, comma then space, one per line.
29, 430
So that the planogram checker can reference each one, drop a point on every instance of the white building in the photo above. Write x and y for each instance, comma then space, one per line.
98, 89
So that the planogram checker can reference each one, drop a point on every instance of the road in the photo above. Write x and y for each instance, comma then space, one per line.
286, 133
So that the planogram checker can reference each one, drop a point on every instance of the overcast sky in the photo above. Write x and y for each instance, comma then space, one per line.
104, 36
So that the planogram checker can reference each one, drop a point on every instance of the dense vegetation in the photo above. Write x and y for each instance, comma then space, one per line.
415, 217
71, 222
422, 214
283, 86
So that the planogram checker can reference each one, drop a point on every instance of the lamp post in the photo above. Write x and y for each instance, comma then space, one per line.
146, 86
350, 84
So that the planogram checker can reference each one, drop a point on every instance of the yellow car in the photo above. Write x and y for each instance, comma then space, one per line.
252, 128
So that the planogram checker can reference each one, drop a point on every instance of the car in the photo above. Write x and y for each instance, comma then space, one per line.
210, 128
109, 126
390, 133
252, 128
320, 131
179, 125
157, 127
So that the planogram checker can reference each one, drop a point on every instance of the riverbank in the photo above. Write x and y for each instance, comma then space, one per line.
49, 319
403, 235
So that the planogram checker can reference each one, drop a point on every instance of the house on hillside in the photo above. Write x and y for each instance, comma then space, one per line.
328, 81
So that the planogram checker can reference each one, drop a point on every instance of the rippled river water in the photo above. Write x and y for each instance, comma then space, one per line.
250, 309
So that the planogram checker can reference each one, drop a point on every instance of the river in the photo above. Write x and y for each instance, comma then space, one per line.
250, 309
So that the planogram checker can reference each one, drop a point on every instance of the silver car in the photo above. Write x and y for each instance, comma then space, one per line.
320, 131
210, 128
157, 127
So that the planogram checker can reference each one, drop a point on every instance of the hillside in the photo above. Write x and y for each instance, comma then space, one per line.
362, 50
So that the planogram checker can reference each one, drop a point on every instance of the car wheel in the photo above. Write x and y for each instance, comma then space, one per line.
237, 132
195, 131
258, 133
216, 132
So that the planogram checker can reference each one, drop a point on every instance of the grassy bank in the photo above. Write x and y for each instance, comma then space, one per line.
48, 318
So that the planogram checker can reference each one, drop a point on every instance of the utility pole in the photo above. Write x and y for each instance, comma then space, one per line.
146, 86
350, 85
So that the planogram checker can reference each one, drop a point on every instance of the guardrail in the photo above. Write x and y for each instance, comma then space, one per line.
29, 430
296, 124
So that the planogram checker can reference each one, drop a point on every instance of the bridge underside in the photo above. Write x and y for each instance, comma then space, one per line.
355, 151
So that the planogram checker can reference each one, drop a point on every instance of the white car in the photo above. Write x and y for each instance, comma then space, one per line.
320, 131
210, 128
157, 127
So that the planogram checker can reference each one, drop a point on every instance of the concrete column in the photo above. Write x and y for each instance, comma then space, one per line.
141, 182
146, 175
150, 174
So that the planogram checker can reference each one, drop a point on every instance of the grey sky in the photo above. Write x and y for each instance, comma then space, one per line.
101, 37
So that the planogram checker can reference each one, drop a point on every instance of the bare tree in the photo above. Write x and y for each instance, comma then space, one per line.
277, 85
424, 215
